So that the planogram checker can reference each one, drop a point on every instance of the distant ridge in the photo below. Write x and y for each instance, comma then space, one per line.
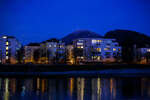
129, 38
80, 34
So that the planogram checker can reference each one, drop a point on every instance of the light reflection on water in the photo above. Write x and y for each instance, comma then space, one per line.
75, 88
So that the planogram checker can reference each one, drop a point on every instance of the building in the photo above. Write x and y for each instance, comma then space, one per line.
96, 50
29, 52
9, 47
143, 55
70, 54
52, 51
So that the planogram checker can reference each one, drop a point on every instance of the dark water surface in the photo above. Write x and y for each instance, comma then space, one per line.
80, 88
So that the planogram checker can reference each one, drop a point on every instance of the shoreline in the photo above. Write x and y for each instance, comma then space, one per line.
102, 70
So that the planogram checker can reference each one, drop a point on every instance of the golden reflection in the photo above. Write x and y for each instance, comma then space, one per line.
80, 88
96, 89
6, 93
71, 85
38, 83
113, 88
44, 85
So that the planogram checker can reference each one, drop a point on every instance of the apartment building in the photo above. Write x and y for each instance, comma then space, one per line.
9, 47
52, 51
96, 50
29, 52
143, 55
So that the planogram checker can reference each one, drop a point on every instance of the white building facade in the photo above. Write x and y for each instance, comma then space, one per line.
53, 51
9, 46
97, 50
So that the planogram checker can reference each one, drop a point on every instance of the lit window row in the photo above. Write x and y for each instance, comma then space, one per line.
96, 41
80, 47
148, 50
96, 57
53, 45
79, 43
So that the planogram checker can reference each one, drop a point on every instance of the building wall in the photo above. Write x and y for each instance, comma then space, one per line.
29, 53
53, 51
143, 55
70, 54
8, 49
97, 49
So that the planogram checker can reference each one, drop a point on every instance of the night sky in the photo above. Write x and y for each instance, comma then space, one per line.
38, 20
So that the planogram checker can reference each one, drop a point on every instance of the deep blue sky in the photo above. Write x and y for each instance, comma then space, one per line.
38, 20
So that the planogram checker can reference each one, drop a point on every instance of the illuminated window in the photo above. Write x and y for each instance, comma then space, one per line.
6, 57
148, 50
7, 43
55, 45
106, 48
6, 48
4, 37
98, 49
93, 41
99, 40
79, 46
82, 57
80, 40
6, 53
79, 43
114, 49
96, 41
98, 58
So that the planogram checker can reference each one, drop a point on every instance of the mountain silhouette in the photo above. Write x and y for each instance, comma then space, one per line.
80, 34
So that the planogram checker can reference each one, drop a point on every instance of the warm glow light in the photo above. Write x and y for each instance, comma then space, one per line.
7, 43
98, 49
6, 57
148, 50
96, 41
6, 52
71, 85
99, 40
6, 48
98, 58
114, 49
81, 46
38, 83
82, 57
106, 48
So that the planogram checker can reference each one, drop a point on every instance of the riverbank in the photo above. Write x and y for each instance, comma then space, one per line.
76, 70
